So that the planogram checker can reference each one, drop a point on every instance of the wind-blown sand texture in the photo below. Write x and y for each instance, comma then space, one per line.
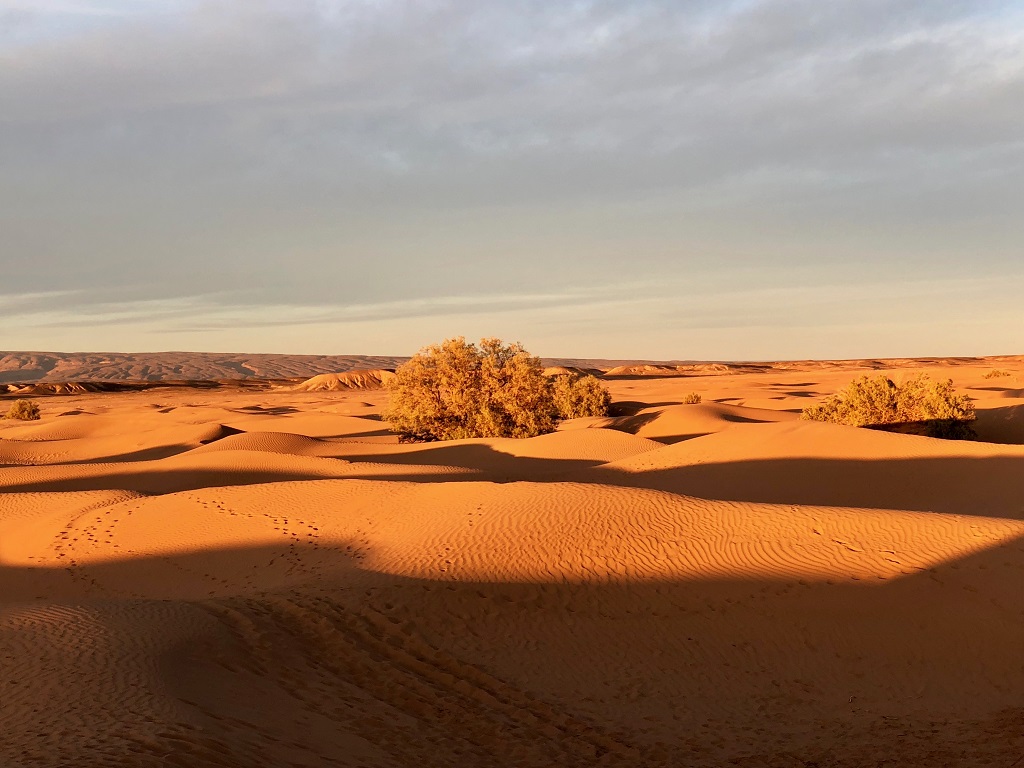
239, 577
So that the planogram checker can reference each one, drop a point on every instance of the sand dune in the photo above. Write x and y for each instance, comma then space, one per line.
812, 463
672, 423
356, 379
236, 577
571, 370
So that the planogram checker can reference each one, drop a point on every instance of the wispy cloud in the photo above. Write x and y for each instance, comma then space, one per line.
685, 321
343, 162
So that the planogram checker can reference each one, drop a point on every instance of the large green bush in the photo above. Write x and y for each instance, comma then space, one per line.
25, 410
917, 404
456, 390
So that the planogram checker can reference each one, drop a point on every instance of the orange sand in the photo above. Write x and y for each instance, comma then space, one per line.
266, 577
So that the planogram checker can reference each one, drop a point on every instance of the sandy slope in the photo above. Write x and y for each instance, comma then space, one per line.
355, 379
212, 578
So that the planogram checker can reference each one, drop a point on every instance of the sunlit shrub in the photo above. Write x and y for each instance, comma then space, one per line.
918, 405
456, 390
692, 399
25, 410
995, 374
577, 396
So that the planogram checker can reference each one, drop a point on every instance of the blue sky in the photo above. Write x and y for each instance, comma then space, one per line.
662, 180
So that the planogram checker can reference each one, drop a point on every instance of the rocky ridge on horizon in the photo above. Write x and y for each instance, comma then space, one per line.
24, 368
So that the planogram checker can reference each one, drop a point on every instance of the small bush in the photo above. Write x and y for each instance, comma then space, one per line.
25, 410
578, 396
917, 405
692, 399
995, 374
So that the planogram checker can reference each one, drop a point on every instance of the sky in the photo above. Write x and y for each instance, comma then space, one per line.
753, 180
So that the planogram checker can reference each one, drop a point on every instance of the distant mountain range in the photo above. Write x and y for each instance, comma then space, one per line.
54, 367
51, 367
175, 366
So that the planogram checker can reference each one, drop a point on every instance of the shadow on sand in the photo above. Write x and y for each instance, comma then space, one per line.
991, 487
296, 655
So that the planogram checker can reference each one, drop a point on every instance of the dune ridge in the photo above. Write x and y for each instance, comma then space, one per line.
355, 379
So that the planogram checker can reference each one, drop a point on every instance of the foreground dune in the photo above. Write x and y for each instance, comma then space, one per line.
210, 578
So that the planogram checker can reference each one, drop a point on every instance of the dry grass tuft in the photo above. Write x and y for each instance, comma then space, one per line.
692, 399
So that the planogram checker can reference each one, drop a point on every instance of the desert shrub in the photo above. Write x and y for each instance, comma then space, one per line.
455, 390
25, 410
576, 396
918, 404
515, 394
995, 374
691, 399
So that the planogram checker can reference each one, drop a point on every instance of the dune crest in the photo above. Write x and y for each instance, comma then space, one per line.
357, 379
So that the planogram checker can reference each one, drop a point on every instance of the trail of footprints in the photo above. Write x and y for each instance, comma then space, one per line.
300, 535
92, 533
92, 530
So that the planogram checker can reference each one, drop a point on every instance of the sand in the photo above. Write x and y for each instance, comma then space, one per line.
237, 577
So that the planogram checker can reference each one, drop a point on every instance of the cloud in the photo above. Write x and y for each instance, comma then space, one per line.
390, 154
674, 320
